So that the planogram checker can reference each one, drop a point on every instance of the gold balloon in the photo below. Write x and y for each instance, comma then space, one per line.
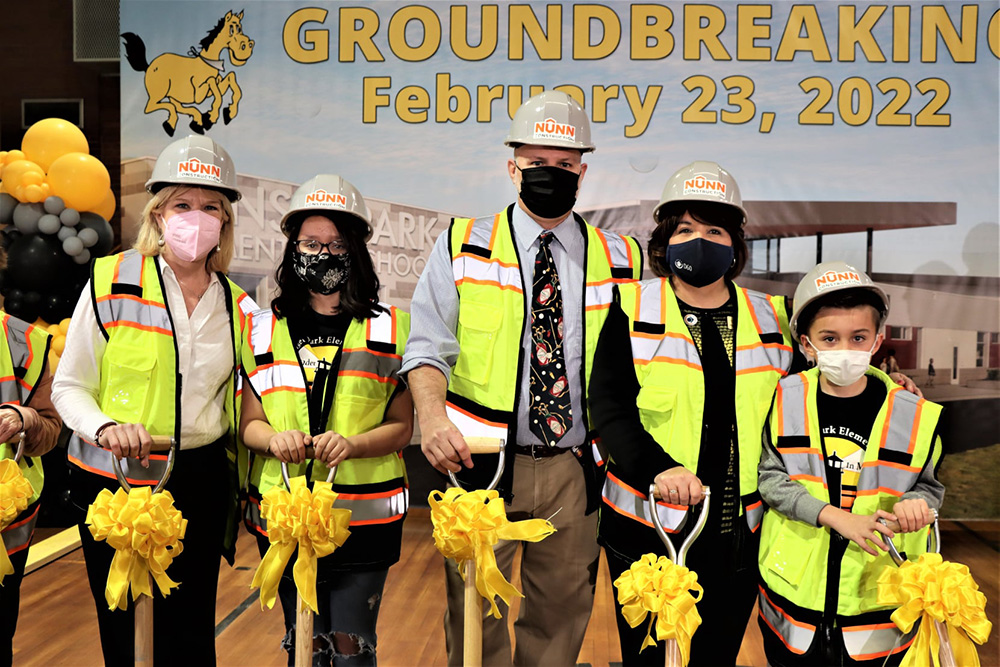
80, 180
106, 208
51, 138
18, 175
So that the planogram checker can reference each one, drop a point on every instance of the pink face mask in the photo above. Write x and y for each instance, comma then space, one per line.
192, 234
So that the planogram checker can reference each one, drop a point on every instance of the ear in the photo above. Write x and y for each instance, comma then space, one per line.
512, 171
879, 339
229, 16
808, 350
240, 15
583, 172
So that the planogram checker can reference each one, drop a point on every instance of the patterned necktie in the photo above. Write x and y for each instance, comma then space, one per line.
550, 412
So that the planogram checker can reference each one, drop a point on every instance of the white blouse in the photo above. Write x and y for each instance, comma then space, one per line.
205, 362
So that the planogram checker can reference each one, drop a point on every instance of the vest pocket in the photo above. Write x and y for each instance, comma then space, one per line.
792, 551
656, 411
478, 327
129, 375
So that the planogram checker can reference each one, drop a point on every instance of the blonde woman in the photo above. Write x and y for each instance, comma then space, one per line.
154, 349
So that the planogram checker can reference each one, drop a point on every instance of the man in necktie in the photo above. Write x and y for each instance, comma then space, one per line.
503, 318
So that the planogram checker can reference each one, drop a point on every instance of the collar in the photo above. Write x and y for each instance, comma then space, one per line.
217, 64
526, 232
166, 270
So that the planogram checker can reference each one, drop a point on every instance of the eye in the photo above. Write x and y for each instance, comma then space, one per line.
717, 232
230, 31
860, 338
827, 339
211, 207
182, 205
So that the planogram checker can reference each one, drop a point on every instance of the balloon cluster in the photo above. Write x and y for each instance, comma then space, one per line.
58, 344
55, 201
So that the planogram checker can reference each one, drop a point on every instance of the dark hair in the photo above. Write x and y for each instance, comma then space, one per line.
709, 213
358, 298
855, 297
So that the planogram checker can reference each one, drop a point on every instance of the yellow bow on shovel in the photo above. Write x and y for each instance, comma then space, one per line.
665, 590
15, 492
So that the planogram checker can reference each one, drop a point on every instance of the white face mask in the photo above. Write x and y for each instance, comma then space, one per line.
843, 367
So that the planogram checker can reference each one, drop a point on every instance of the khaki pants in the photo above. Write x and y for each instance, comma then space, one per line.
558, 574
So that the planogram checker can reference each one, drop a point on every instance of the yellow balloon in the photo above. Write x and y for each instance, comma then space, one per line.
106, 208
53, 330
53, 361
17, 175
80, 180
64, 325
58, 344
51, 138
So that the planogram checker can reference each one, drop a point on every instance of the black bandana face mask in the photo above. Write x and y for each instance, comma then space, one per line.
549, 192
323, 273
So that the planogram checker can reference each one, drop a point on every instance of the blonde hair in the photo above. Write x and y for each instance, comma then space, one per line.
147, 241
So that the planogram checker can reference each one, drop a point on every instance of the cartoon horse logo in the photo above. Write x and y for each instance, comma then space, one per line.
179, 83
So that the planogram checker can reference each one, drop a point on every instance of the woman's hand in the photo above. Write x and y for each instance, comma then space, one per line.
859, 528
912, 514
679, 486
289, 446
11, 425
332, 448
127, 440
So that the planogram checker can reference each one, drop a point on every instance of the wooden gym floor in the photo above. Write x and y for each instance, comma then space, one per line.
58, 623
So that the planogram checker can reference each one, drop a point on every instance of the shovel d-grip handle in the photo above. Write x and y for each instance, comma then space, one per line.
933, 539
310, 452
160, 443
678, 556
484, 445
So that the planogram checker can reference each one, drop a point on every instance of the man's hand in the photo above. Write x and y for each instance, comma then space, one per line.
443, 445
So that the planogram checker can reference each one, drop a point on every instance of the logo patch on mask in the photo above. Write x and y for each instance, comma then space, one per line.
550, 129
832, 279
198, 169
699, 185
681, 265
327, 198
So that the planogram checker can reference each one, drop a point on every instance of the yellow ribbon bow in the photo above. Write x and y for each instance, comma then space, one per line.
145, 529
305, 519
466, 526
668, 593
15, 490
932, 589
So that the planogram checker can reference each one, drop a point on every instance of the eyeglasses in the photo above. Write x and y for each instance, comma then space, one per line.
312, 247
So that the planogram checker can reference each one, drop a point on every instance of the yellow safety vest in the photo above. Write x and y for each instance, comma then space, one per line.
22, 363
374, 489
671, 398
140, 381
483, 389
794, 555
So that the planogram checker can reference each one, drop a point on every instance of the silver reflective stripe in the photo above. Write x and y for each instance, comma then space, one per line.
17, 535
97, 460
486, 270
129, 310
668, 349
130, 268
776, 356
894, 478
260, 333
795, 635
763, 312
598, 459
365, 509
650, 297
754, 514
890, 478
763, 357
20, 351
382, 327
801, 461
632, 504
482, 231
618, 249
271, 376
903, 424
360, 360
869, 642
793, 407
9, 391
246, 304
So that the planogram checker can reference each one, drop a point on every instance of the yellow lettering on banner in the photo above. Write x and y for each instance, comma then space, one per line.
901, 34
859, 33
576, 92
601, 95
521, 20
584, 17
642, 109
357, 27
993, 33
749, 31
489, 27
803, 18
651, 41
318, 40
412, 103
702, 26
372, 99
937, 22
515, 97
445, 93
430, 41
485, 96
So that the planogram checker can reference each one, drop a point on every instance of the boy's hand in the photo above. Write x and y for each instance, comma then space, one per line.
913, 514
859, 528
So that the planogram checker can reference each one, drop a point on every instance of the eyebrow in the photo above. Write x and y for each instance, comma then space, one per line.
866, 330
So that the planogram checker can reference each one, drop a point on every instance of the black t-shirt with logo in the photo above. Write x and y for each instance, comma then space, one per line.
318, 341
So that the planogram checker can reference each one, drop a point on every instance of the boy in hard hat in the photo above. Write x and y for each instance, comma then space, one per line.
846, 448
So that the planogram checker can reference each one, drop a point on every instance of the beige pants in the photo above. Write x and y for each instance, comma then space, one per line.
558, 574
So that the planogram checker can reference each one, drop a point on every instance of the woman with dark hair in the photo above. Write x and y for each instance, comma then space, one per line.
707, 355
322, 366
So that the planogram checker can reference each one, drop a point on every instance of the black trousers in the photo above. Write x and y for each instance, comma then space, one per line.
184, 621
727, 571
10, 596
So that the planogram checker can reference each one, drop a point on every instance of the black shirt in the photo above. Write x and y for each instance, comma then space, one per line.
318, 341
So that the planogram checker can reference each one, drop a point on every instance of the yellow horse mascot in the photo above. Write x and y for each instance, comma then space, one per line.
178, 83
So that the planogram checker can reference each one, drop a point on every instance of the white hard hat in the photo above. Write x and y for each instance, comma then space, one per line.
551, 118
830, 277
328, 193
701, 181
197, 161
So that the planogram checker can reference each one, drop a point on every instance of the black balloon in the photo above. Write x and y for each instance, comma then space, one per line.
105, 235
37, 263
7, 236
52, 309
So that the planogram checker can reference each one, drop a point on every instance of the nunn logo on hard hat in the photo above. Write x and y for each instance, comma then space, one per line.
550, 129
832, 279
699, 185
198, 169
176, 83
324, 197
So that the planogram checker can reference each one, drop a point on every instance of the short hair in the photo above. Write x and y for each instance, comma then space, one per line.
358, 298
726, 216
847, 299
147, 242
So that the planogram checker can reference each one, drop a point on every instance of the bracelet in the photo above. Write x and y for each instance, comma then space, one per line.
100, 430
9, 406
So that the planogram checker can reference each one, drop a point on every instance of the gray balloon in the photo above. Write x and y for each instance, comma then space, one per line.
70, 217
73, 246
7, 206
83, 257
49, 224
54, 205
65, 232
88, 236
26, 217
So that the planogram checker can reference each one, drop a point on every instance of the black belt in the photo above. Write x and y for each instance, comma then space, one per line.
540, 451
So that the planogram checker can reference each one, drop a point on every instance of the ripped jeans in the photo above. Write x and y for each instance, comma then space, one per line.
344, 628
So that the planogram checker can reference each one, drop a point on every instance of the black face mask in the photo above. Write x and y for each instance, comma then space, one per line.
549, 192
323, 273
699, 262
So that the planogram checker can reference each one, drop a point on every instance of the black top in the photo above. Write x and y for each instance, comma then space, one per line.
318, 340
